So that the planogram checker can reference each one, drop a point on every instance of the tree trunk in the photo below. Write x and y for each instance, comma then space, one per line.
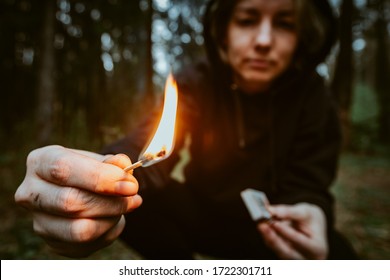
343, 78
382, 75
46, 81
149, 56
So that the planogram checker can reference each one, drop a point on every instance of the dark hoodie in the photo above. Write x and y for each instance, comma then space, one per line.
284, 142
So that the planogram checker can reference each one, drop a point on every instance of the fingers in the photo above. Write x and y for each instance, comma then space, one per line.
71, 230
308, 247
74, 202
278, 244
293, 212
309, 218
79, 250
305, 233
288, 233
63, 166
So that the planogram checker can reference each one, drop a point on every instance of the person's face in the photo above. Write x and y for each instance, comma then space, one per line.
260, 42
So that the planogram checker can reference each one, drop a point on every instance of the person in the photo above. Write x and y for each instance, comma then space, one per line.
254, 115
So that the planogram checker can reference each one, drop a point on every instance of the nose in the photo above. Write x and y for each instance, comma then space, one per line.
264, 34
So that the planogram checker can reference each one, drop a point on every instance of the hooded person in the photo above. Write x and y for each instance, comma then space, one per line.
254, 114
283, 140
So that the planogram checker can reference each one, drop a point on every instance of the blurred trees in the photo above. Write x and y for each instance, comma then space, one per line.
361, 76
77, 72
46, 90
19, 25
344, 76
382, 66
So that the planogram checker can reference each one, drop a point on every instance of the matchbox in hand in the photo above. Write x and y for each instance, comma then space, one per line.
256, 202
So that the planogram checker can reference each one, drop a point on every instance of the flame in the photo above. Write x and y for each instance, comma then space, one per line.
161, 145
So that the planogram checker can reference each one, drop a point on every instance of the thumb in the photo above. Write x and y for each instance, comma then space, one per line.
120, 160
291, 212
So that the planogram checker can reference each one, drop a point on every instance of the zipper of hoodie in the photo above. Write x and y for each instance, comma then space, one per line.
272, 138
241, 131
239, 117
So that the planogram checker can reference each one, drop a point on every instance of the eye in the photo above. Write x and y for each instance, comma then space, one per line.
245, 18
286, 24
246, 21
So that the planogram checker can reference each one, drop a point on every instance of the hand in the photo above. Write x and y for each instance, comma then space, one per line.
77, 198
299, 231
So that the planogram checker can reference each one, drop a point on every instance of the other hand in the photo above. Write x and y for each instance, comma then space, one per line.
298, 232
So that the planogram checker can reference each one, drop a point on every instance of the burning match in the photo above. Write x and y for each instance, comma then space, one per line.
161, 145
146, 159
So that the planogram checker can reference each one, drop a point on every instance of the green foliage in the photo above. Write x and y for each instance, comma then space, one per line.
365, 107
364, 118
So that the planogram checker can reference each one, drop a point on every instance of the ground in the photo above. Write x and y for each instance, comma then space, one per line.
363, 205
362, 211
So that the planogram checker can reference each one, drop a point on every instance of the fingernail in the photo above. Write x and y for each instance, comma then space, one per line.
126, 188
137, 199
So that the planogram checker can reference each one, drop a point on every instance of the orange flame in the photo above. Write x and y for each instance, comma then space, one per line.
162, 143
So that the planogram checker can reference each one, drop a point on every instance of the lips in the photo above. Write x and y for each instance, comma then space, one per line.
258, 64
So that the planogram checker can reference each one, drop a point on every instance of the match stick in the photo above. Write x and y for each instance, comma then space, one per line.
134, 165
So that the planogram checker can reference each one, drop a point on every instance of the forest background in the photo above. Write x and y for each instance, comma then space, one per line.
80, 73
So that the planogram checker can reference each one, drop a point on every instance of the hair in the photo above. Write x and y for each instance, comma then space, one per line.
317, 31
316, 28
